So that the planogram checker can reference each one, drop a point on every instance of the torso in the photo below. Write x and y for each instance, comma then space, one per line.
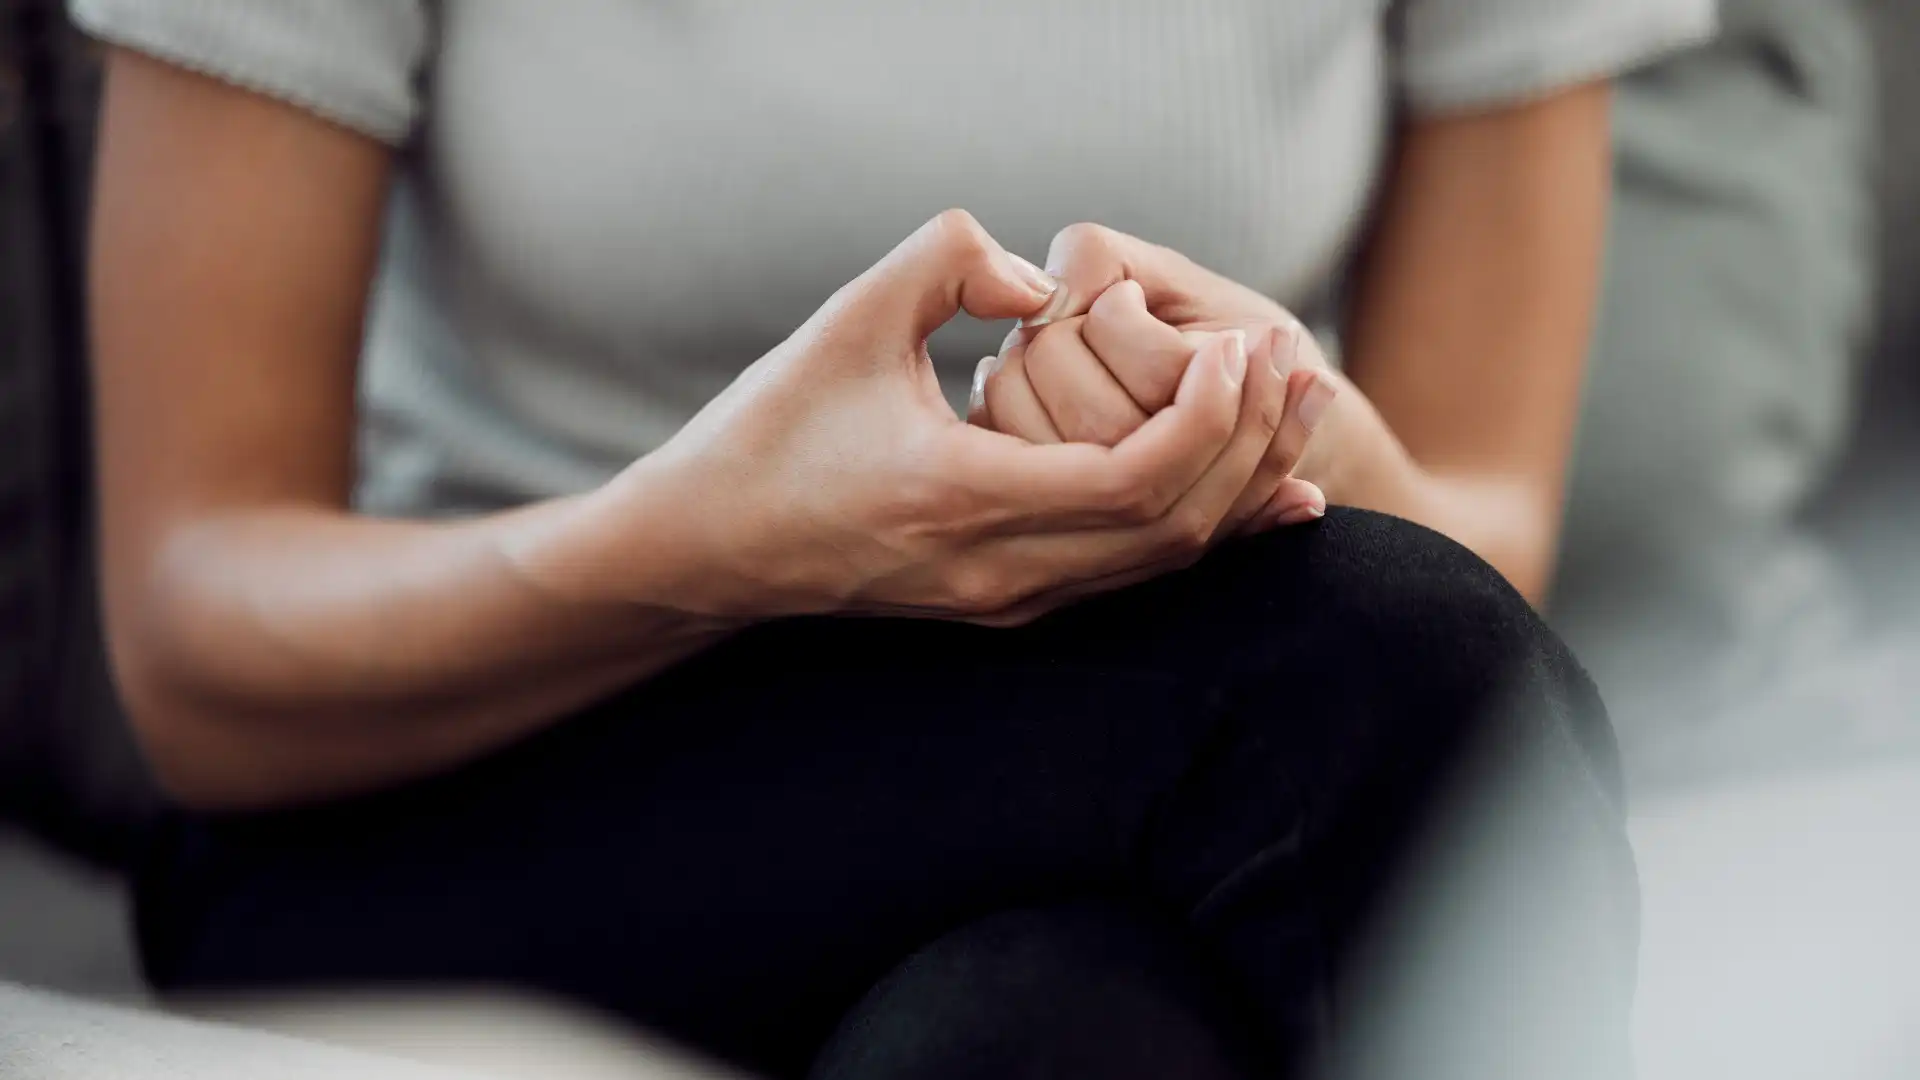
607, 216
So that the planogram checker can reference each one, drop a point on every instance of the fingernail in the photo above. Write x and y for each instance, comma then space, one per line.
1236, 360
1043, 284
1284, 352
1057, 307
977, 397
1313, 403
1300, 514
1037, 279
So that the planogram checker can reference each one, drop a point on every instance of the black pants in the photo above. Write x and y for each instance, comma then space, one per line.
1335, 792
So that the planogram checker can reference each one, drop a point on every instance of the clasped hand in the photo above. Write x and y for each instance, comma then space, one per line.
1106, 444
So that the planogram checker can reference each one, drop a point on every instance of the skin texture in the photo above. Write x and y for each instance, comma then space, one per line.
273, 647
1097, 377
1464, 354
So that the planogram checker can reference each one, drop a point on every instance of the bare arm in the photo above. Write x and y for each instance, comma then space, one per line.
270, 645
275, 647
1464, 363
1472, 324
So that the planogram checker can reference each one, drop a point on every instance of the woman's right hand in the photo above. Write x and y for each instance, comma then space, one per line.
832, 477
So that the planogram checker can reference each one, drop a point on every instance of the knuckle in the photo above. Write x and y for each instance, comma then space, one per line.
956, 222
1086, 237
960, 233
1270, 411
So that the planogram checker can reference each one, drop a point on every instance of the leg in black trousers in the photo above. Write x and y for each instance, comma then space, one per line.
1080, 990
1283, 753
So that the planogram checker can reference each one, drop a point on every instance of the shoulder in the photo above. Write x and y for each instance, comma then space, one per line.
353, 62
1466, 54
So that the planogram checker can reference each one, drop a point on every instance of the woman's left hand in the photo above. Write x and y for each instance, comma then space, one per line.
1108, 352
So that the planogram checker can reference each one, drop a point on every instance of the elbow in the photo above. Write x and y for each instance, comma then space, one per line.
178, 731
218, 736
205, 761
192, 736
181, 765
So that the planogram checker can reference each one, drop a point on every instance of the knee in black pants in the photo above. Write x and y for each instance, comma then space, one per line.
1362, 666
1068, 991
1243, 748
1401, 760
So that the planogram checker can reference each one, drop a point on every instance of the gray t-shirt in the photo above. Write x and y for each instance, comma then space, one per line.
606, 208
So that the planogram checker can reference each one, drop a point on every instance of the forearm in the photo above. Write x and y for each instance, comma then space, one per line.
276, 655
1469, 329
1511, 521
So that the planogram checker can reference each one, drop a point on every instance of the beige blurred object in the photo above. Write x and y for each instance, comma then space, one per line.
499, 1034
385, 1036
47, 1036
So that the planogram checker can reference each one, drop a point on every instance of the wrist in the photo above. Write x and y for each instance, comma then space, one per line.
616, 553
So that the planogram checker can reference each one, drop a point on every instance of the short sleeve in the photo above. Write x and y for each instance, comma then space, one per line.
1463, 54
354, 62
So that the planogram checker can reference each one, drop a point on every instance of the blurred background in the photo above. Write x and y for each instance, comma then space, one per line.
1758, 363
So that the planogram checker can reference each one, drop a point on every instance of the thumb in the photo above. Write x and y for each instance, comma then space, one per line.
948, 265
1086, 259
1293, 502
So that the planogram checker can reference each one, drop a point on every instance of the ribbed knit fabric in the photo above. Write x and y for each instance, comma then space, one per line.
352, 62
606, 208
